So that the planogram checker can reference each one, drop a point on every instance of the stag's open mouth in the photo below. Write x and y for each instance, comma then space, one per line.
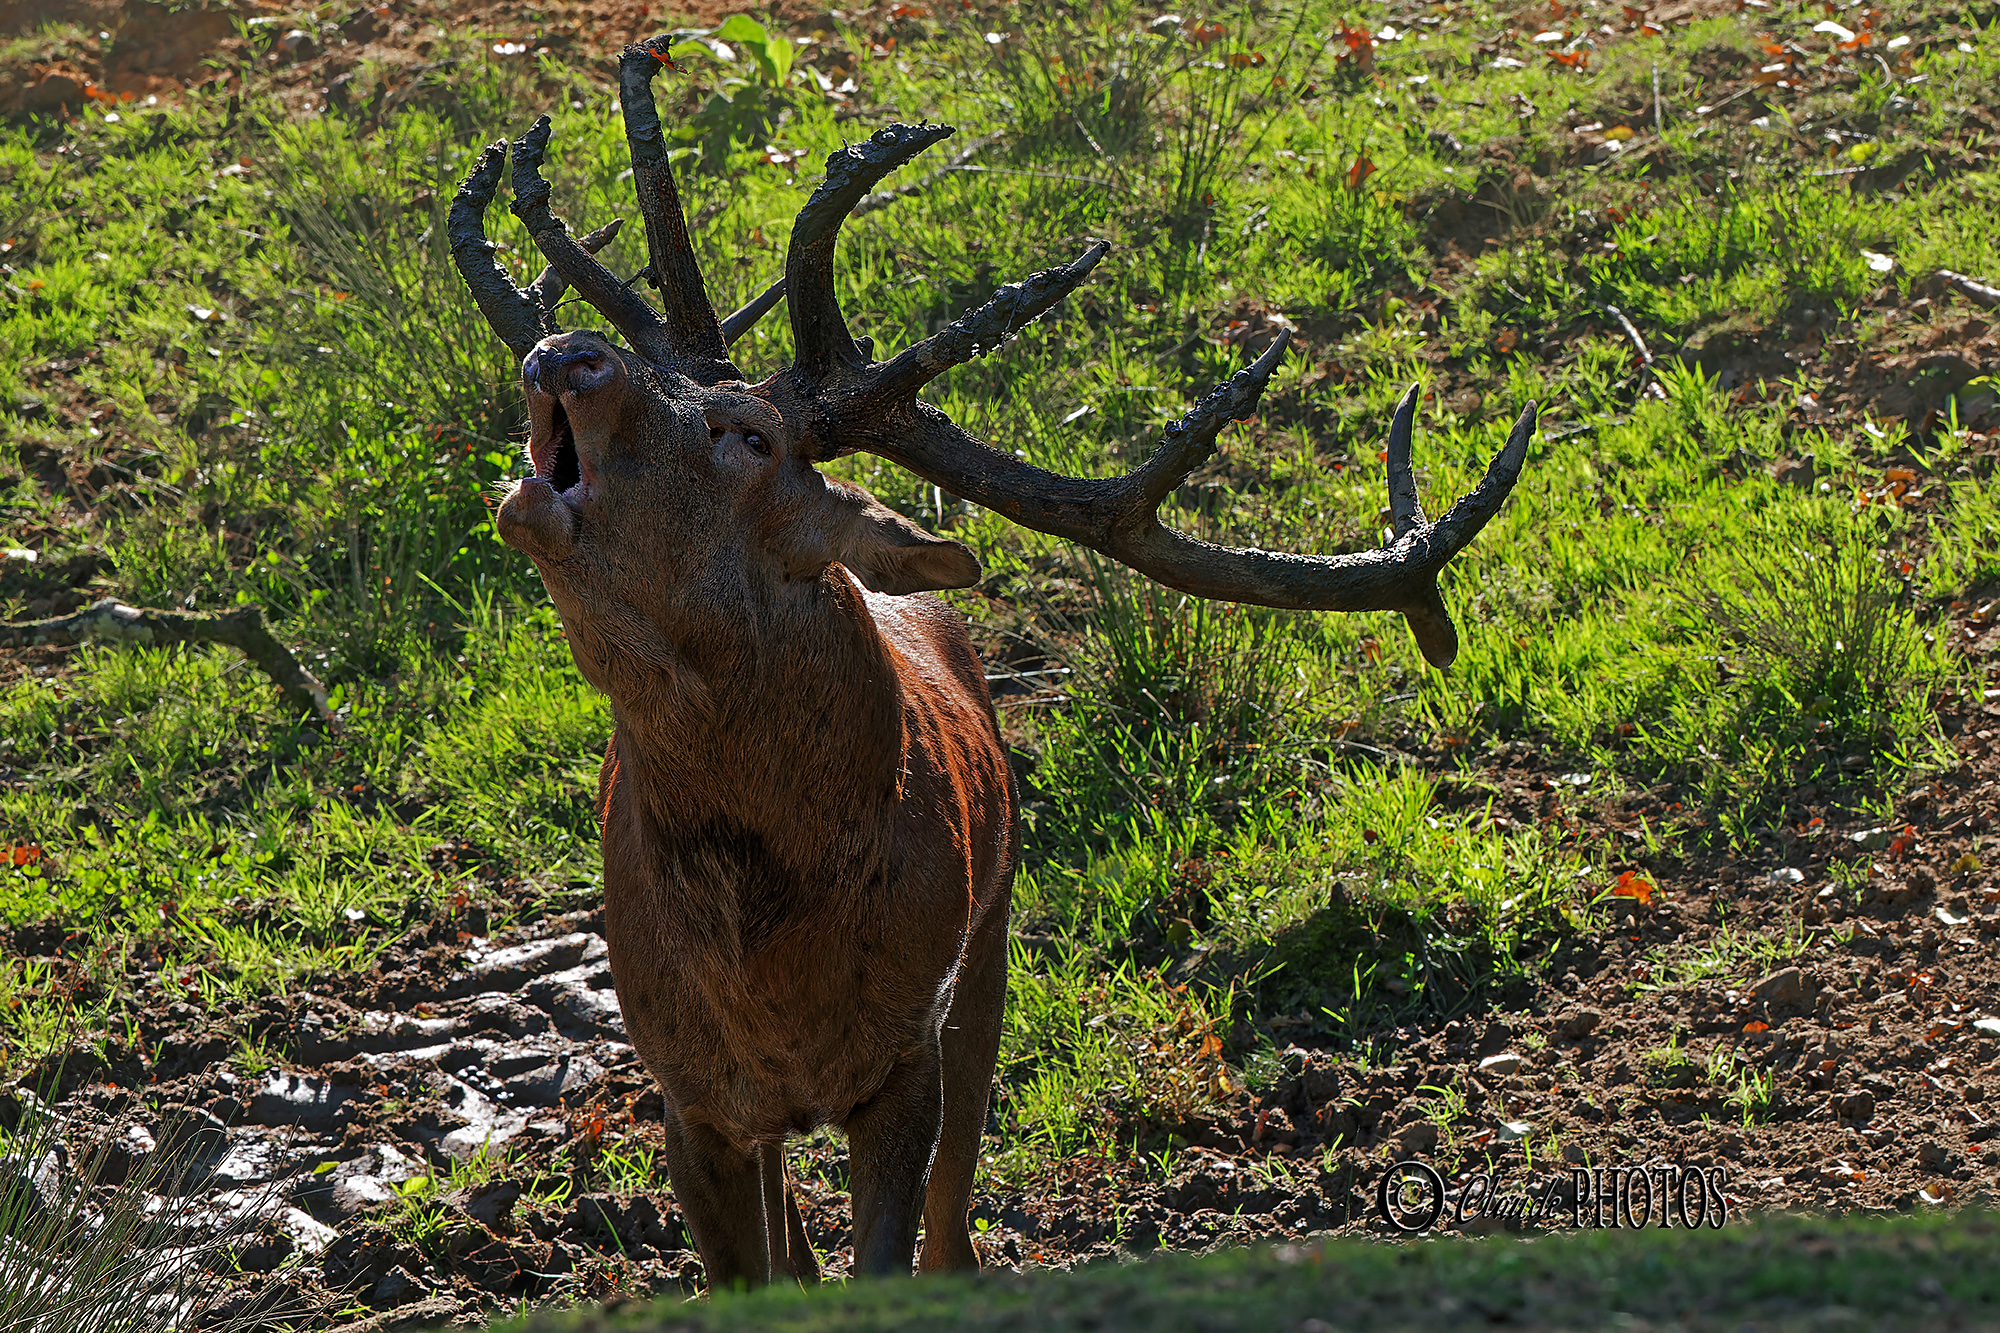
554, 457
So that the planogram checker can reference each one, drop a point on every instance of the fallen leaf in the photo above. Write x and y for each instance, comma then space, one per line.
1211, 1047
1619, 133
1754, 1026
1965, 864
1630, 885
1359, 172
1504, 340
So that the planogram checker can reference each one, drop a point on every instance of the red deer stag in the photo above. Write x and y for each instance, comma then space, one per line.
808, 816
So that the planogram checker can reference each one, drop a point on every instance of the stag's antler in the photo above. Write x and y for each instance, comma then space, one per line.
844, 401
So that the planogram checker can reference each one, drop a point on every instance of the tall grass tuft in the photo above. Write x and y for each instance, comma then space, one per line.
103, 1244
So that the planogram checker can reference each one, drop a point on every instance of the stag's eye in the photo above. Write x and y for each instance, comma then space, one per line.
757, 442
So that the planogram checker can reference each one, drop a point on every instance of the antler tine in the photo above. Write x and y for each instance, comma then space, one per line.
690, 320
548, 289
819, 332
1476, 508
1012, 308
626, 309
1405, 513
513, 313
1118, 516
738, 323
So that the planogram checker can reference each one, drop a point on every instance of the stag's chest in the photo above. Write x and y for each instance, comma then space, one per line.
764, 1005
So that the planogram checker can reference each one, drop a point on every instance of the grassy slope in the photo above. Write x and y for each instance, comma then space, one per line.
1785, 1274
1218, 779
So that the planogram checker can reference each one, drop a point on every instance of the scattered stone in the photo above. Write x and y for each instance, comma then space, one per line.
1421, 1137
1785, 986
489, 1204
1855, 1104
1503, 1064
1514, 1130
394, 1287
1578, 1023
1800, 472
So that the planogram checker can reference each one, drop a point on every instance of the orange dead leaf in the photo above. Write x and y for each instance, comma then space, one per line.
1211, 1047
1754, 1026
1359, 172
1631, 885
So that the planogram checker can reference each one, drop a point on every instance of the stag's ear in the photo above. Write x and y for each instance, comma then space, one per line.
889, 553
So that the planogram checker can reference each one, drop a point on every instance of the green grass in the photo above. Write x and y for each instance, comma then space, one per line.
1781, 1274
1223, 824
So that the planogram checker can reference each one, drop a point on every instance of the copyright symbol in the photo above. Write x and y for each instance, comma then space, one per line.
1410, 1196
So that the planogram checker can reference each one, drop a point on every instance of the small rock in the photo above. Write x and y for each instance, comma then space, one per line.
1854, 1104
56, 92
1580, 1023
1800, 472
1785, 986
357, 1194
1422, 1137
1931, 1154
306, 1232
395, 1287
1574, 1154
1503, 1064
490, 1203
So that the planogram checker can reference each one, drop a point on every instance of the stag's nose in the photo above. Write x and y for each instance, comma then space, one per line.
576, 369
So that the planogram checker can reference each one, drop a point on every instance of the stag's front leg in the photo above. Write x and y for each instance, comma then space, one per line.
891, 1141
720, 1188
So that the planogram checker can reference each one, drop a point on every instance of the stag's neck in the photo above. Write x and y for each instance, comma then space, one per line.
785, 736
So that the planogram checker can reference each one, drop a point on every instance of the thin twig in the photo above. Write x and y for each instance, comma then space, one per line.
1645, 356
1973, 289
112, 621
